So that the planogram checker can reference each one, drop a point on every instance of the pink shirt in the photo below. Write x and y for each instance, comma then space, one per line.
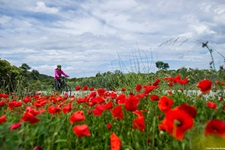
58, 74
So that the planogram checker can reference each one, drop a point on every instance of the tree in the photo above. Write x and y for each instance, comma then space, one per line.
8, 76
161, 65
34, 74
25, 67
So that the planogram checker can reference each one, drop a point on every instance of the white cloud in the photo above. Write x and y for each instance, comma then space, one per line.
88, 37
41, 7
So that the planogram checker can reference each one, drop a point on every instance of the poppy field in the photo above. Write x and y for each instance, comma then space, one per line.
146, 118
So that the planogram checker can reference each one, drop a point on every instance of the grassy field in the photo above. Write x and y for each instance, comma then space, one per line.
145, 118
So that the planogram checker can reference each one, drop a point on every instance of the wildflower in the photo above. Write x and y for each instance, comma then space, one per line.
109, 126
211, 105
191, 110
27, 99
177, 122
37, 148
139, 123
123, 89
98, 110
149, 88
138, 113
121, 99
2, 95
131, 104
67, 108
77, 88
2, 103
82, 100
115, 142
205, 86
15, 126
184, 81
53, 109
85, 88
154, 97
108, 105
156, 83
215, 127
77, 116
165, 104
81, 130
14, 103
91, 89
29, 117
118, 113
138, 88
101, 92
2, 119
97, 100
113, 95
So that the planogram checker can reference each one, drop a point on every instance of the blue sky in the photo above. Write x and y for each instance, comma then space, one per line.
87, 37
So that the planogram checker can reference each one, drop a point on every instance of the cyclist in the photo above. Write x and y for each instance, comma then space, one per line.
58, 74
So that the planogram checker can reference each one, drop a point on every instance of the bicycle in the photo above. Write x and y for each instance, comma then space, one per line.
62, 87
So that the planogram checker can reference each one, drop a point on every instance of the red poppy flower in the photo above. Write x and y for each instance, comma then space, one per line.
154, 97
97, 112
77, 88
101, 92
108, 105
82, 100
113, 95
67, 108
131, 104
97, 100
77, 116
165, 104
81, 130
109, 126
157, 82
85, 88
27, 99
2, 119
29, 117
115, 142
14, 103
123, 89
118, 113
138, 88
91, 89
53, 109
205, 85
2, 103
138, 113
177, 122
211, 105
33, 111
191, 110
121, 99
15, 126
215, 127
149, 88
184, 81
37, 148
2, 95
176, 79
139, 123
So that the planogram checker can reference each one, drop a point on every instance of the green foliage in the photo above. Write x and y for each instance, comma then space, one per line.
161, 65
20, 80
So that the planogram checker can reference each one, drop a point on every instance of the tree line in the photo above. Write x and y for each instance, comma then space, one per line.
24, 79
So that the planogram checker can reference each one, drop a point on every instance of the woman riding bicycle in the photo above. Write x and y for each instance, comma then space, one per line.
58, 74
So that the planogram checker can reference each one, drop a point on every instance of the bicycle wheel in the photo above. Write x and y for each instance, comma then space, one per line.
66, 89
